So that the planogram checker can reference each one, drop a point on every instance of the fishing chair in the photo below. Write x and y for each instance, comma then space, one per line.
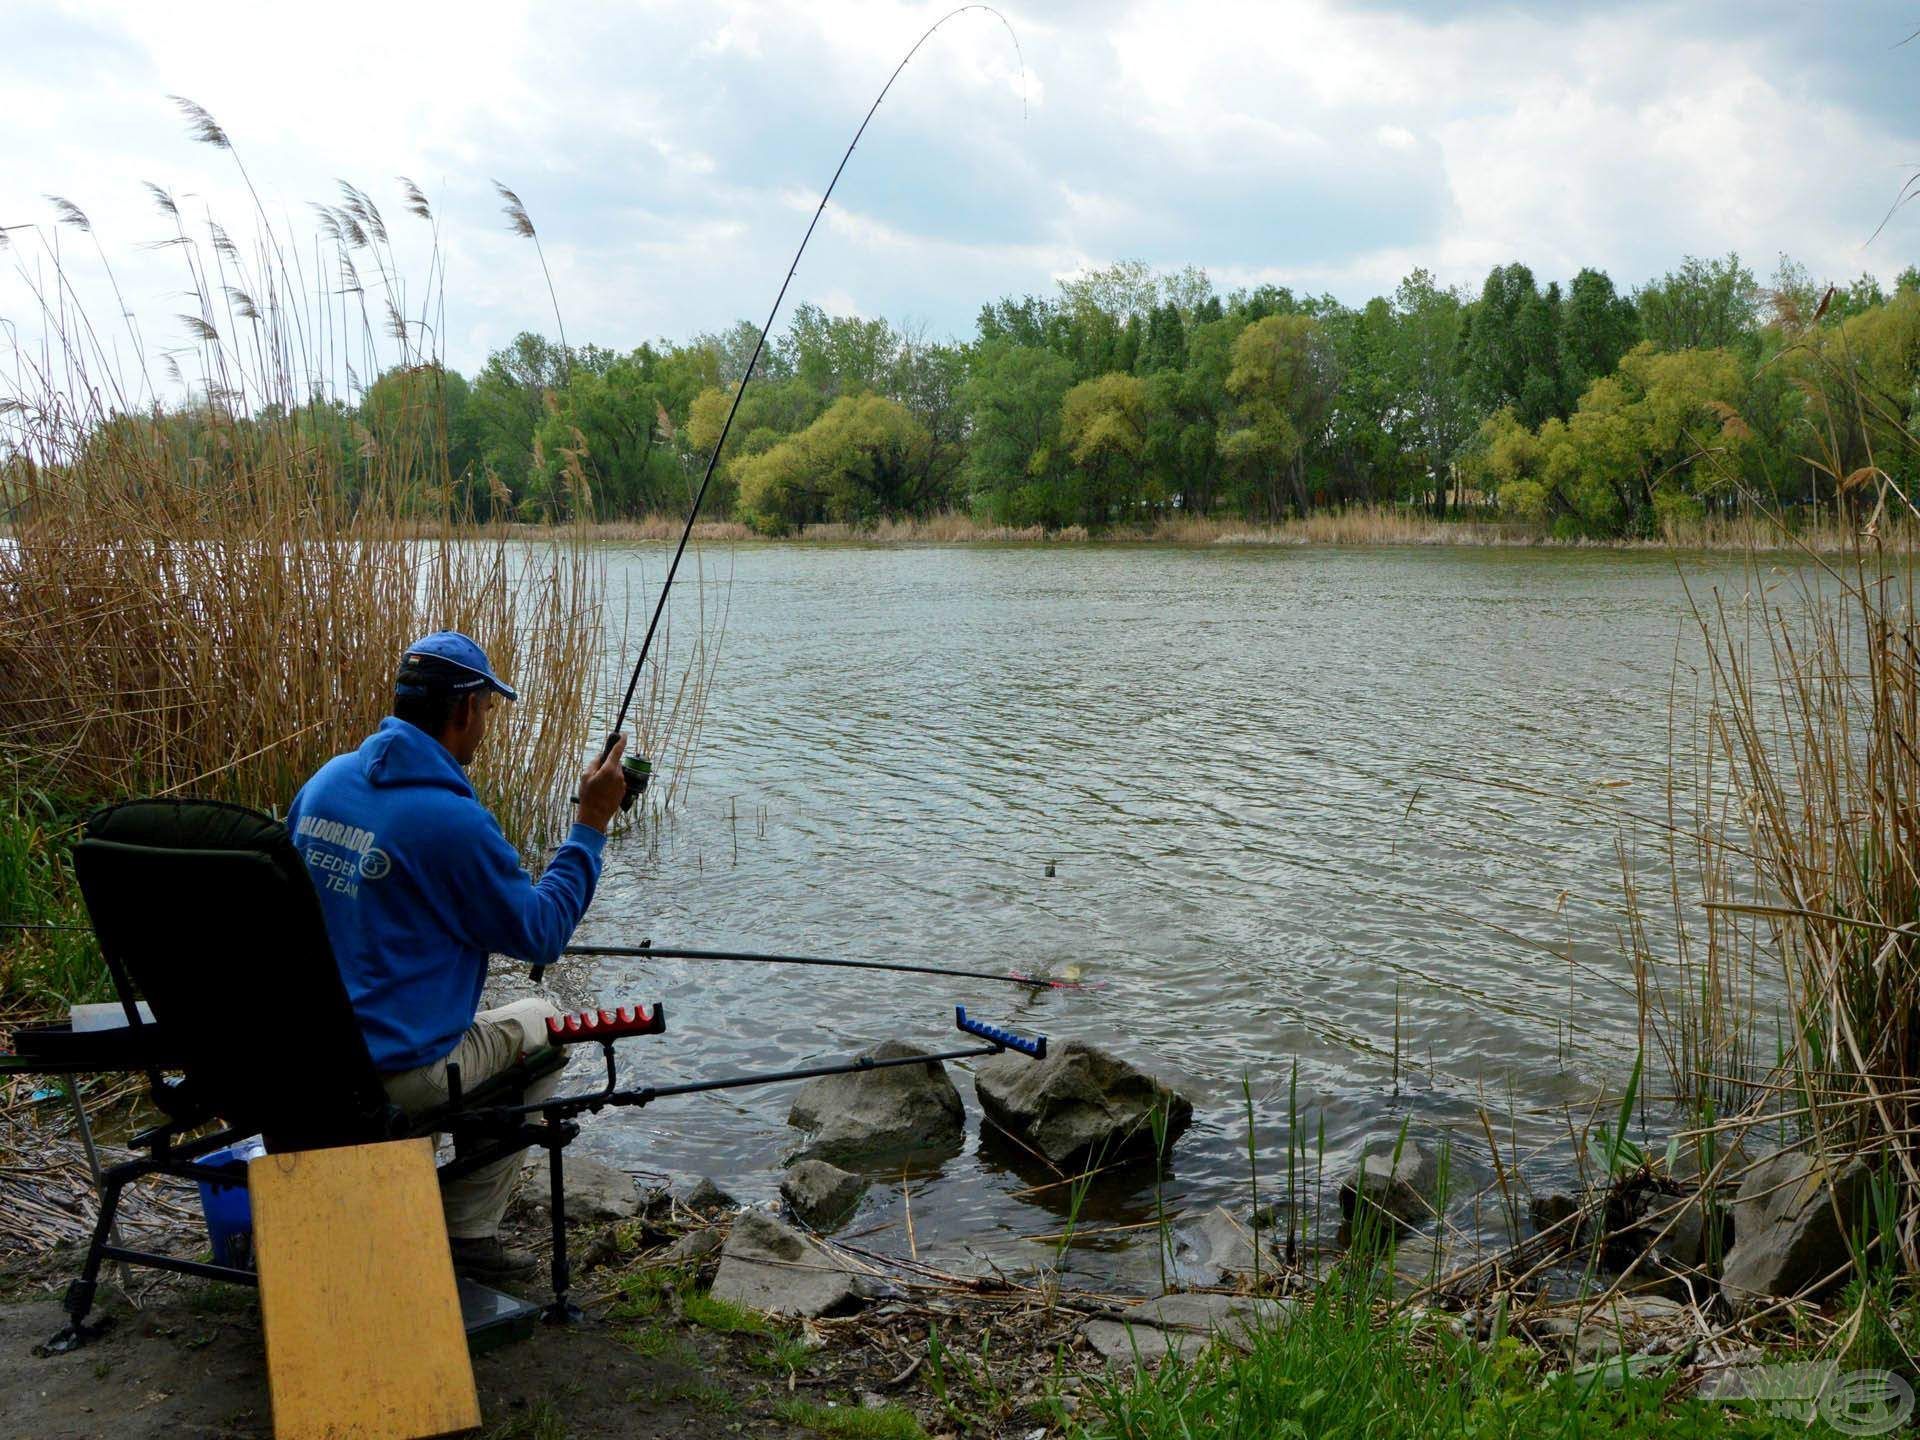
205, 911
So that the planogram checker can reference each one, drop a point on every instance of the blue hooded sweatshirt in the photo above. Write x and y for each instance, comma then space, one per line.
418, 887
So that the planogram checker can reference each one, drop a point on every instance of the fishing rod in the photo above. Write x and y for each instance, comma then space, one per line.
647, 950
636, 769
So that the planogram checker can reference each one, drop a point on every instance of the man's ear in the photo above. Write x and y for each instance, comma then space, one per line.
461, 717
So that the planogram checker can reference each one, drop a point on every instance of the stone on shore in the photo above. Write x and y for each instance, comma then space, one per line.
880, 1113
771, 1267
1181, 1324
692, 1248
1404, 1188
821, 1195
1786, 1236
1079, 1105
1618, 1325
706, 1197
594, 1192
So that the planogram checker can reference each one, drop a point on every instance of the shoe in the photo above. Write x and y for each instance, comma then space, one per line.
483, 1257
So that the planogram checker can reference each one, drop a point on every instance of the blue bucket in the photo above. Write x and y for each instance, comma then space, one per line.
228, 1214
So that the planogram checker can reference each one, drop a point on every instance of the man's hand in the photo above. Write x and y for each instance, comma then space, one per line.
603, 787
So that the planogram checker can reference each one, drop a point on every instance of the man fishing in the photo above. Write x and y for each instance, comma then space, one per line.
419, 886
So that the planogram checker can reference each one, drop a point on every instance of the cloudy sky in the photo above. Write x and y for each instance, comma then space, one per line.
670, 153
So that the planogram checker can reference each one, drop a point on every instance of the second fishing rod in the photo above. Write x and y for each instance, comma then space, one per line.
636, 769
646, 949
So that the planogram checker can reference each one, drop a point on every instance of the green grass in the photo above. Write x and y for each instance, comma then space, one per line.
1341, 1372
851, 1421
656, 1342
782, 1353
643, 1294
45, 968
724, 1317
541, 1422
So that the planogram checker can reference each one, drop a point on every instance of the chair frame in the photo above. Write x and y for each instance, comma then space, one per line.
487, 1122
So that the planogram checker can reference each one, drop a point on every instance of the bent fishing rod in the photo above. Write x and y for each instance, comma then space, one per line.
637, 770
647, 950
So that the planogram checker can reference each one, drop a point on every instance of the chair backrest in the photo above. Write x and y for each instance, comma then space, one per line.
205, 910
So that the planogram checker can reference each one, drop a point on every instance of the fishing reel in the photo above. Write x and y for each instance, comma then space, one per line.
636, 770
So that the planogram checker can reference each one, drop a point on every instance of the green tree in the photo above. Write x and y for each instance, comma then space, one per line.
416, 417
1103, 426
1436, 415
1012, 397
1284, 379
1165, 344
1705, 304
609, 429
507, 403
1510, 350
863, 459
1597, 327
1647, 445
838, 354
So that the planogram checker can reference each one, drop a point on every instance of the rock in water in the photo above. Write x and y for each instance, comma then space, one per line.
593, 1192
1785, 1234
772, 1267
1217, 1249
820, 1194
1404, 1189
874, 1113
1078, 1104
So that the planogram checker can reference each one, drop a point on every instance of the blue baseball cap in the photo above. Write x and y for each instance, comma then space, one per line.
447, 662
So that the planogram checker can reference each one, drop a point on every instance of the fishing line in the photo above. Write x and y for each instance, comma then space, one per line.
637, 770
753, 360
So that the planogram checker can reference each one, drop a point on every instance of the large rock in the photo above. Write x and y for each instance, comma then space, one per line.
772, 1267
1786, 1236
1079, 1104
593, 1192
875, 1113
821, 1195
1183, 1325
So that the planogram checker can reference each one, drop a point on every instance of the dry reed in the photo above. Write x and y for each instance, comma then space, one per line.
1750, 533
210, 595
1781, 989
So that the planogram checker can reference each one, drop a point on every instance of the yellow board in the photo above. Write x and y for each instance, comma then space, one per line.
364, 1339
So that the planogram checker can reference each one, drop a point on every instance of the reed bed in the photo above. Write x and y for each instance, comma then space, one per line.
1776, 962
208, 584
209, 594
1822, 534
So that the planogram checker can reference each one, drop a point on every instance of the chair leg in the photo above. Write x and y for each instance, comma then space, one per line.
79, 1297
562, 1311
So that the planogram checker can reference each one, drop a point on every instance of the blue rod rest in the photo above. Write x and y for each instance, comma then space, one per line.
1036, 1047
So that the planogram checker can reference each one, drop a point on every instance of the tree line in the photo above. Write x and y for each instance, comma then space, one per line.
1130, 395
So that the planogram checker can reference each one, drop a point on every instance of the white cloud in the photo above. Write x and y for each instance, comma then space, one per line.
671, 154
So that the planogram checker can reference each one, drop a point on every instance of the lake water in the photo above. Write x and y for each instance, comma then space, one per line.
1297, 801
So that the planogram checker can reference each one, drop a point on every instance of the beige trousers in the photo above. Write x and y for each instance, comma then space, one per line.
496, 1040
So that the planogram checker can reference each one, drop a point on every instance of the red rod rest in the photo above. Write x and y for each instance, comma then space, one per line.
606, 1024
